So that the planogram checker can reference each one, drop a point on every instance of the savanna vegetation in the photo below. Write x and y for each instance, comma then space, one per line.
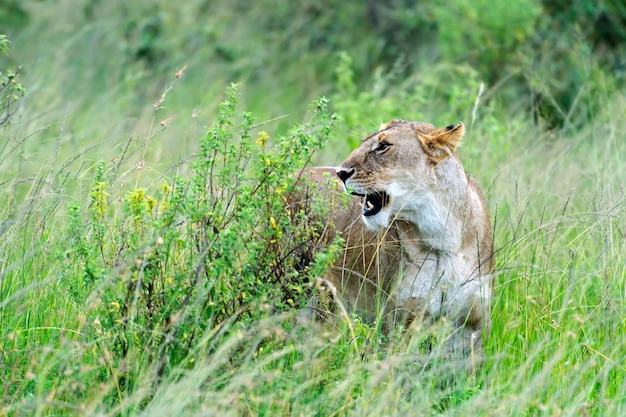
148, 267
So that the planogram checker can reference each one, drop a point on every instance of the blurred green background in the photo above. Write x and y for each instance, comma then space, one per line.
97, 67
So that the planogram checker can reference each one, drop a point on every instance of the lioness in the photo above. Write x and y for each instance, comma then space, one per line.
423, 245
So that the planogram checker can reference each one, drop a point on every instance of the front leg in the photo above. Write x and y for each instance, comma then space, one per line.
468, 306
419, 292
428, 289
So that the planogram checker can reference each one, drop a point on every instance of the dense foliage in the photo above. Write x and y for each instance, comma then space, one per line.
546, 50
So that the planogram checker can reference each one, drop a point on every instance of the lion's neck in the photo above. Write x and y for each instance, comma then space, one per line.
435, 218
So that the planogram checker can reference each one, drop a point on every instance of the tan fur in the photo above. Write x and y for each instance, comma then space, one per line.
428, 253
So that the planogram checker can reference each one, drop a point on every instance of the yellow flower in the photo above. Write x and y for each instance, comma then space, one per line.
263, 139
151, 202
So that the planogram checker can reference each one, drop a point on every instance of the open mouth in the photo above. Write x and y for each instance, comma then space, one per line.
374, 203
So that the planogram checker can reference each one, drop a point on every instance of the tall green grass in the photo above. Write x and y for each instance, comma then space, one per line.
556, 347
102, 193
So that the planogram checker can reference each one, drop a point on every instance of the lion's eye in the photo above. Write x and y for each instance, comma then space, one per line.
381, 148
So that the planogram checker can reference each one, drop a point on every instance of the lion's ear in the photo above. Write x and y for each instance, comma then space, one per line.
442, 143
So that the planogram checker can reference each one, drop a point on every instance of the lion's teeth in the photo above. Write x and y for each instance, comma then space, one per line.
370, 205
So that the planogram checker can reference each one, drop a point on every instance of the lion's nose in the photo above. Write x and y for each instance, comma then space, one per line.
345, 173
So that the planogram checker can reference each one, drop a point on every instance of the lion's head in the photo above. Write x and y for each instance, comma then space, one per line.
393, 167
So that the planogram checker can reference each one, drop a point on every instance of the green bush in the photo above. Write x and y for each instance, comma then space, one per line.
206, 254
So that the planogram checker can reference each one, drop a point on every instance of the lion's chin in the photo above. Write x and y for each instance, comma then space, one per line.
377, 221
